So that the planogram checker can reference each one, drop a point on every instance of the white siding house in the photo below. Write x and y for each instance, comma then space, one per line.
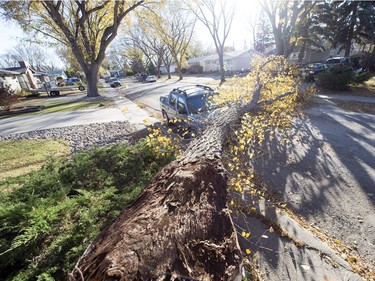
233, 61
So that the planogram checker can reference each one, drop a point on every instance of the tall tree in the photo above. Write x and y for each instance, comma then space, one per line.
344, 22
285, 16
174, 26
217, 16
263, 34
86, 27
151, 46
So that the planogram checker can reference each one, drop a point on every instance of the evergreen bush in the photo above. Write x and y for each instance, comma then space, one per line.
335, 78
49, 220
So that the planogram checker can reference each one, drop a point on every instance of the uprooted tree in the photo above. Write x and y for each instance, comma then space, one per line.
180, 226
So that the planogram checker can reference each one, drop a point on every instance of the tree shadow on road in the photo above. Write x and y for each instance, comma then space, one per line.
326, 173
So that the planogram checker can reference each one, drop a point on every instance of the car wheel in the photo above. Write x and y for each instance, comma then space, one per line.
81, 88
167, 120
54, 93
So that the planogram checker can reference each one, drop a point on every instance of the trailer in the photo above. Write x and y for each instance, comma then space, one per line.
55, 91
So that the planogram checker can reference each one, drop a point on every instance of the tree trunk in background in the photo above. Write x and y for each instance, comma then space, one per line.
92, 81
348, 43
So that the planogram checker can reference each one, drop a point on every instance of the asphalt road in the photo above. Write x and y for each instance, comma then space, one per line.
149, 93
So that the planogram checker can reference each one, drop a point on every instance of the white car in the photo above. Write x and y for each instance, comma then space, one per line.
150, 78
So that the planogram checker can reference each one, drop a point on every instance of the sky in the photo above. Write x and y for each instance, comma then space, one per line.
10, 32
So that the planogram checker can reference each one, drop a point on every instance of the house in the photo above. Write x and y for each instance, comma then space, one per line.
43, 78
57, 75
24, 74
233, 61
9, 79
314, 55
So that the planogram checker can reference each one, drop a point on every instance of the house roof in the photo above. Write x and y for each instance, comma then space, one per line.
197, 59
20, 70
40, 73
228, 55
9, 72
58, 72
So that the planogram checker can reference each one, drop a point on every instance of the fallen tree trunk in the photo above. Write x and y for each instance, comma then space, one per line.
179, 228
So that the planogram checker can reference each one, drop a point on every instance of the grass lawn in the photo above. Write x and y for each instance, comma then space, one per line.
59, 106
364, 89
18, 158
356, 106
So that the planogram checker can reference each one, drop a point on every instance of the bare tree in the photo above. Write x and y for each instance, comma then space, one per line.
217, 16
35, 55
285, 16
151, 46
174, 26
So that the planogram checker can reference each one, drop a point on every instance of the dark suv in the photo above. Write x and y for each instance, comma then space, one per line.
190, 104
339, 62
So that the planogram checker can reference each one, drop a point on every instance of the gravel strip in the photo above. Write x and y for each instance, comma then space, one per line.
82, 137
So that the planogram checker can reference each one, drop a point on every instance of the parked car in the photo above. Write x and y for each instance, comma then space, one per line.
69, 81
114, 82
72, 81
188, 104
312, 70
339, 62
150, 78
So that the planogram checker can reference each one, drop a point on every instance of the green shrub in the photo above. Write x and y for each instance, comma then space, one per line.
335, 78
361, 77
48, 221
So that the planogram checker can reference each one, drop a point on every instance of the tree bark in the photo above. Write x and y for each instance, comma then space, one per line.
92, 79
179, 227
353, 18
222, 69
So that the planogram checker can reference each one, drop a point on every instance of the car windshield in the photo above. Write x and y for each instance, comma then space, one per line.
198, 103
333, 61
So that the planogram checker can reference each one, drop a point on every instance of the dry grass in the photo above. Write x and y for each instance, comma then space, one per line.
364, 89
356, 106
21, 157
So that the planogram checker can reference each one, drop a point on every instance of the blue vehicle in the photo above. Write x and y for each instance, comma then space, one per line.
312, 70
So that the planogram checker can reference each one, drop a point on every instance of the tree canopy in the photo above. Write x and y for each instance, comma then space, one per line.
86, 27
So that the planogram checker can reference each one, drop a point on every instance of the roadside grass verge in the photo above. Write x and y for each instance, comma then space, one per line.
366, 89
356, 106
23, 156
47, 222
60, 106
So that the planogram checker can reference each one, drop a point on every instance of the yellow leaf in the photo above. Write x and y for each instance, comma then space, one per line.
248, 252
